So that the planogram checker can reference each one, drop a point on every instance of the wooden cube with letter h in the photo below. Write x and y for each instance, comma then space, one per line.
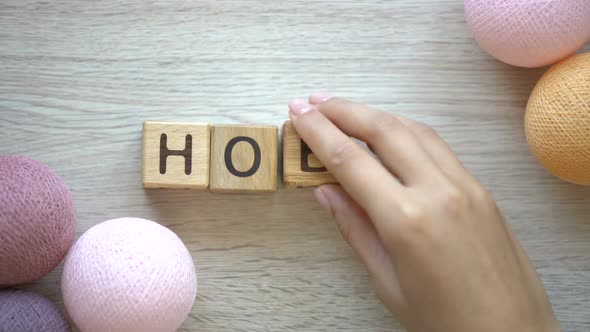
244, 158
301, 168
176, 155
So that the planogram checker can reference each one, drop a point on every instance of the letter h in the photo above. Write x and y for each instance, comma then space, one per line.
187, 153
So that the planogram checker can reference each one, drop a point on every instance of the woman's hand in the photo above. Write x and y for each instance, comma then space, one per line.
440, 253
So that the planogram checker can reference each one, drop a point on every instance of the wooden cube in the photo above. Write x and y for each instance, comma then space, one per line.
244, 158
176, 155
301, 168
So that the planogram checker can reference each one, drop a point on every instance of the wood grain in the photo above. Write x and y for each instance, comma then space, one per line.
294, 172
78, 79
184, 151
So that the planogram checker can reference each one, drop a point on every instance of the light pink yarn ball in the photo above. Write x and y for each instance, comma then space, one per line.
529, 33
129, 275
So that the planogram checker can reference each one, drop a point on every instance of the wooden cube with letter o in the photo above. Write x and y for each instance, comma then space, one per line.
244, 158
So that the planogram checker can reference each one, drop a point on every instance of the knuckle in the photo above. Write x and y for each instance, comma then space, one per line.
386, 123
453, 197
412, 212
422, 129
413, 225
343, 154
454, 201
382, 125
481, 195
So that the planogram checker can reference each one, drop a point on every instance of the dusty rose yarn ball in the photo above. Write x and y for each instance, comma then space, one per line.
129, 275
37, 220
29, 312
529, 33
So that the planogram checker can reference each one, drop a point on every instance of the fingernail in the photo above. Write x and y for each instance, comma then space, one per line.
299, 106
322, 199
319, 97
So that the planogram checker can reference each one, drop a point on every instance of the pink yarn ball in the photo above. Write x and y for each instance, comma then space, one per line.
129, 275
37, 220
529, 33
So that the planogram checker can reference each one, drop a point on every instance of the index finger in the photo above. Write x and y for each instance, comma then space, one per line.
362, 176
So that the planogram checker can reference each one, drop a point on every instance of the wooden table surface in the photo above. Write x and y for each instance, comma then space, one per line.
78, 78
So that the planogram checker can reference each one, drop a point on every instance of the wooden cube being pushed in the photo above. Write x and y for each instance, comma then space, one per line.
301, 168
244, 158
175, 155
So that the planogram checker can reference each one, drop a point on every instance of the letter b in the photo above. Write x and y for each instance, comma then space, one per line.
305, 167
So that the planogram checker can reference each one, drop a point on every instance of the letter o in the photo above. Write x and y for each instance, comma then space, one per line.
228, 160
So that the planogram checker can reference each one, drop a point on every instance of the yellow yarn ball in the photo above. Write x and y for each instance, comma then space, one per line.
557, 120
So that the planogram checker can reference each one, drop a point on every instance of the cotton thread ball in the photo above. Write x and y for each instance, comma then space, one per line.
29, 312
557, 120
129, 275
529, 33
37, 220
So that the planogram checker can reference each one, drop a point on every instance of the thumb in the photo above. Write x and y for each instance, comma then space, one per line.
359, 232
